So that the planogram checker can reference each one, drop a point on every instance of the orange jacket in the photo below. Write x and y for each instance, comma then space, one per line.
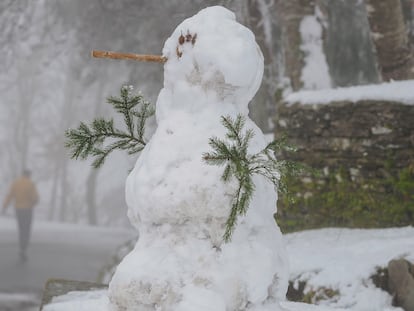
23, 192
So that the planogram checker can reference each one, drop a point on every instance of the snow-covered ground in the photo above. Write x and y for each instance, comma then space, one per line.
395, 91
340, 259
344, 260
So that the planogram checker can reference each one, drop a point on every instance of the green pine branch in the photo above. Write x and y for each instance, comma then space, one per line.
89, 140
232, 153
239, 164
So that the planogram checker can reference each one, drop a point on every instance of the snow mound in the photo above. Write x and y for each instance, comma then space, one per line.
80, 301
87, 301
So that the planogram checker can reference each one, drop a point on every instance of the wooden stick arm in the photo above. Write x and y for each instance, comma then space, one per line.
131, 56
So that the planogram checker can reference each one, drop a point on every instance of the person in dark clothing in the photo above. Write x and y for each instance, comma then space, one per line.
24, 195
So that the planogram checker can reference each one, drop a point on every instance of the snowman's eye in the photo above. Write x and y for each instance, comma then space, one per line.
181, 39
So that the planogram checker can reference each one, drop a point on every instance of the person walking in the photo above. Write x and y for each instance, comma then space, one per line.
24, 195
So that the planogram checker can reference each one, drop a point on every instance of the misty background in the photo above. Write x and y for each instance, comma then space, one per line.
49, 82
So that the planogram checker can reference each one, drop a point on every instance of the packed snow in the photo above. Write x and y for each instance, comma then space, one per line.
80, 301
344, 260
341, 259
395, 91
179, 203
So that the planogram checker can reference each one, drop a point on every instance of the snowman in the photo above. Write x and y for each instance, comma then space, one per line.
179, 203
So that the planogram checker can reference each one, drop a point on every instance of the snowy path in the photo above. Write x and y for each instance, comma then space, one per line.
56, 251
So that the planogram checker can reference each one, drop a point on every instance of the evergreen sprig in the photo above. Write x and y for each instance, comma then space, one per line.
239, 164
88, 140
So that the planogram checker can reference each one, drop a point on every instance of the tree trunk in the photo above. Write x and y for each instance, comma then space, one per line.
26, 90
262, 19
407, 9
91, 196
349, 48
54, 192
390, 38
92, 180
70, 92
64, 189
293, 13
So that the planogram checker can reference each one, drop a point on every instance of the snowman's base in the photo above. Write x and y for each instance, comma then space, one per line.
64, 295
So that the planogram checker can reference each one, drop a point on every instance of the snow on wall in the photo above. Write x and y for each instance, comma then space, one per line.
394, 91
315, 73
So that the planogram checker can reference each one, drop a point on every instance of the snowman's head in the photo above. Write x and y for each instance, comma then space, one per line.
214, 53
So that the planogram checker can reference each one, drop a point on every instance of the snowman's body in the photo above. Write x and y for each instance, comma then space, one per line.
179, 203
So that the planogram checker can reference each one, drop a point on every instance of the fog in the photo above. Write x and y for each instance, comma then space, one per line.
50, 83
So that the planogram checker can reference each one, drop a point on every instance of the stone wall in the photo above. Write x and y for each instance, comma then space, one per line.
369, 139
